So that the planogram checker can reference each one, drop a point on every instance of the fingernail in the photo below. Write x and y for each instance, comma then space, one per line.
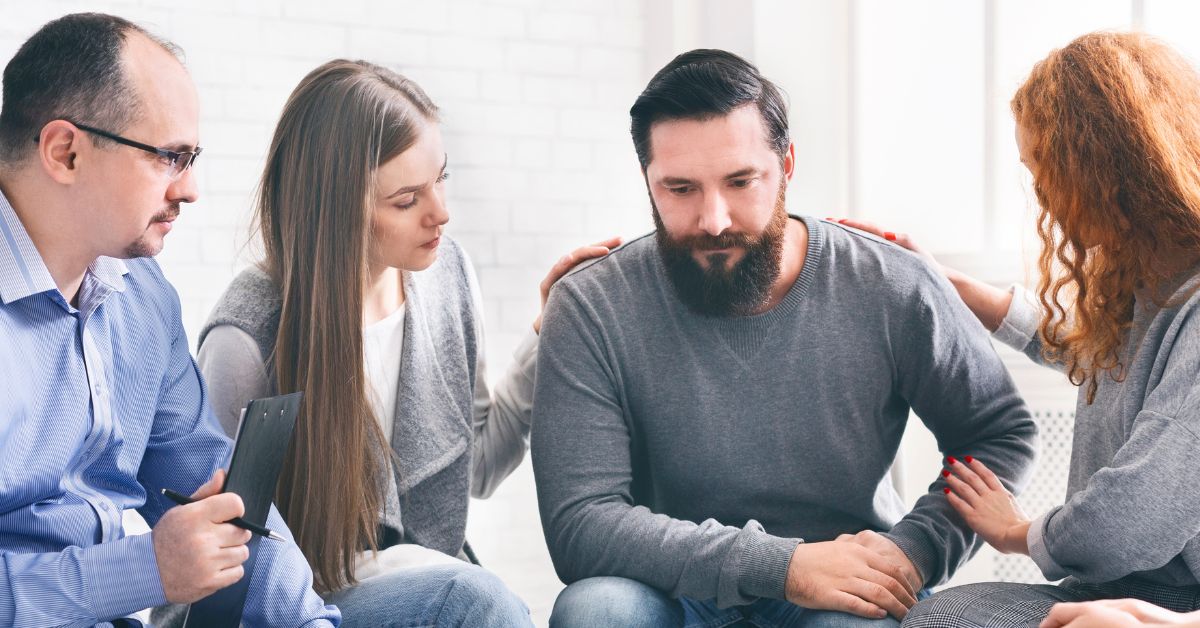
951, 460
842, 221
946, 491
888, 235
829, 218
968, 459
945, 473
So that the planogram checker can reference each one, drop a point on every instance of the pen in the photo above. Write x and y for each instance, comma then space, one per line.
239, 522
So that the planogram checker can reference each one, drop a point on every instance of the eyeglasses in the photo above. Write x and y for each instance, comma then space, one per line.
178, 162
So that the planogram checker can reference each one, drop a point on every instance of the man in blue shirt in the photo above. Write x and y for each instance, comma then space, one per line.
101, 404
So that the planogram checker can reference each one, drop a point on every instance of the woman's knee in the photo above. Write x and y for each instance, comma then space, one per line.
477, 585
476, 582
985, 604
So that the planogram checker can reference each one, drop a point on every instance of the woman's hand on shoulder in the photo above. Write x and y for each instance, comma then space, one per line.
902, 239
988, 303
566, 263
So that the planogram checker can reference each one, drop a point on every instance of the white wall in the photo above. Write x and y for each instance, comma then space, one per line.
534, 97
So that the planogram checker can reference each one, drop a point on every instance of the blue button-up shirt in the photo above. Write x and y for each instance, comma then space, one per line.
101, 406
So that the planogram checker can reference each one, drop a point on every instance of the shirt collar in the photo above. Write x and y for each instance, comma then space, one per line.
110, 271
22, 271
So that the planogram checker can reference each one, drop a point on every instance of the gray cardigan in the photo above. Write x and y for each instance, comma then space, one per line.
1133, 494
451, 437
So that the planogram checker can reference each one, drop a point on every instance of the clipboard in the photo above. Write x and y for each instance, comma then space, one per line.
262, 441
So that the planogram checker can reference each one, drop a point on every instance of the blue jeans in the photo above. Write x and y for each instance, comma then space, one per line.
611, 601
423, 597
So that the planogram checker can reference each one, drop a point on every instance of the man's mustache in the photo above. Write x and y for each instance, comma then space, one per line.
711, 243
170, 213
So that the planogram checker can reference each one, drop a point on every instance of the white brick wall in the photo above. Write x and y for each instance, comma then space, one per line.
533, 95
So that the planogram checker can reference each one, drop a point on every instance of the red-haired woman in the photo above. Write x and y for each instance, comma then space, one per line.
1109, 126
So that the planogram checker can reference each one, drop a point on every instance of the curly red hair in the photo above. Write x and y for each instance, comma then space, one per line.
1113, 128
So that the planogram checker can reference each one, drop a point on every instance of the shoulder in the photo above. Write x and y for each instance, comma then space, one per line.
146, 283
849, 250
251, 303
899, 278
1180, 317
624, 267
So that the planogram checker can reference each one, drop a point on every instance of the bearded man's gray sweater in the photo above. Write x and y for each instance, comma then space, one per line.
693, 453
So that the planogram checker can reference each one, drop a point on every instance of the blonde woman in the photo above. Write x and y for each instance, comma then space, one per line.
365, 304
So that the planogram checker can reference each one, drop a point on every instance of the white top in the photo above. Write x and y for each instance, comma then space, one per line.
382, 342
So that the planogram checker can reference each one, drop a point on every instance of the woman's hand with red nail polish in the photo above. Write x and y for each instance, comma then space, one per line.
903, 239
986, 506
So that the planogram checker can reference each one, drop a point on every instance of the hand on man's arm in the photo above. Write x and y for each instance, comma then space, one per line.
949, 372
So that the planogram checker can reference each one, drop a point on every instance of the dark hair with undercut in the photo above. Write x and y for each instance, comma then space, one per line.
71, 68
703, 84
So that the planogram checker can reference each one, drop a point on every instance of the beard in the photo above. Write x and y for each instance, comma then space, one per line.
142, 247
722, 288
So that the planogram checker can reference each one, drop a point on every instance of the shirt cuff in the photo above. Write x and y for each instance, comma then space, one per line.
1038, 550
139, 585
1021, 321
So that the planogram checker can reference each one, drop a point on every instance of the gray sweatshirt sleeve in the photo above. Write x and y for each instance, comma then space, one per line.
951, 376
1138, 512
1021, 325
583, 468
233, 368
502, 416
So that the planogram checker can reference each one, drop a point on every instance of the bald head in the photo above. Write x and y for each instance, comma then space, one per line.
89, 68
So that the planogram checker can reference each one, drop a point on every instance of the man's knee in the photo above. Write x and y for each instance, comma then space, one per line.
611, 601
834, 619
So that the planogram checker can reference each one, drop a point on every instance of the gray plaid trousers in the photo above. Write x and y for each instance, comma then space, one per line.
1014, 605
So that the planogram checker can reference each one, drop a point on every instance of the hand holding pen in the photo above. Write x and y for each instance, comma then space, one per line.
237, 521
197, 551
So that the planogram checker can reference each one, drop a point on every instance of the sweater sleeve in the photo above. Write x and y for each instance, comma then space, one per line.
233, 368
501, 417
951, 376
1138, 512
583, 468
1020, 327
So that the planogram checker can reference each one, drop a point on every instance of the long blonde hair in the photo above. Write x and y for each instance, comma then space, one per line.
342, 122
1114, 126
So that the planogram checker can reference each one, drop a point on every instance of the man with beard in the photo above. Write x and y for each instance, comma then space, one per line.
101, 404
717, 406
